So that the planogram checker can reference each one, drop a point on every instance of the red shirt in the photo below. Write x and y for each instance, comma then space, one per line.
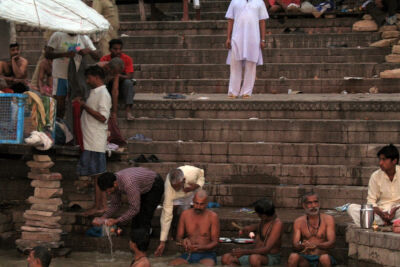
128, 62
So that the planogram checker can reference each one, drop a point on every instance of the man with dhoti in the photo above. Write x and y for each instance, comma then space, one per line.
245, 39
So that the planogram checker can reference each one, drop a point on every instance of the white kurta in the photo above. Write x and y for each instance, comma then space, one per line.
245, 39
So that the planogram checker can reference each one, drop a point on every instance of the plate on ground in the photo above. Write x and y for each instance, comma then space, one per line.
243, 240
225, 240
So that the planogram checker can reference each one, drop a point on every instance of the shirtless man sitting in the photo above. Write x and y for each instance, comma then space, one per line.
14, 72
313, 234
198, 232
268, 239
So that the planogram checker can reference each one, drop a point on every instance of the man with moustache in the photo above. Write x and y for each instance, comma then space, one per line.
313, 235
198, 233
383, 192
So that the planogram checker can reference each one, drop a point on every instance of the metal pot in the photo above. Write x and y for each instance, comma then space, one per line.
366, 216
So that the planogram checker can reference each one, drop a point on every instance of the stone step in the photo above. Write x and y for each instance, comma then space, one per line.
268, 86
267, 71
181, 41
265, 130
217, 56
211, 27
284, 174
271, 106
259, 152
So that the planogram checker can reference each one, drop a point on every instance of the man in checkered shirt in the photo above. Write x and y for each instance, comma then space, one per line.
143, 188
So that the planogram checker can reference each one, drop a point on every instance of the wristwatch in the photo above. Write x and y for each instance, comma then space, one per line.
263, 41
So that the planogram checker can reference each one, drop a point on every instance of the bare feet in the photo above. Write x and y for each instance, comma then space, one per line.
93, 212
232, 96
245, 96
129, 116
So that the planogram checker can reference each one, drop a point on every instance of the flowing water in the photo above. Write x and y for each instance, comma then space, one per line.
107, 233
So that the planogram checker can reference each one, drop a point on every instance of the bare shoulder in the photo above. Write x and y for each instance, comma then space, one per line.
327, 218
278, 222
212, 214
300, 220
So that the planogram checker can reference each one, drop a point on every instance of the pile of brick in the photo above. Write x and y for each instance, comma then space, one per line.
42, 221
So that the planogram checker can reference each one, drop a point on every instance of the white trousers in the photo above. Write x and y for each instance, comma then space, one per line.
354, 211
235, 79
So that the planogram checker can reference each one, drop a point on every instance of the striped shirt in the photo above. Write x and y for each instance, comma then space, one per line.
133, 182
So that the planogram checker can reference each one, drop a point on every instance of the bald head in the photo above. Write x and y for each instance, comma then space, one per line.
200, 201
201, 194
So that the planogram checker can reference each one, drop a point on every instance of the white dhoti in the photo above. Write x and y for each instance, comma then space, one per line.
236, 87
354, 211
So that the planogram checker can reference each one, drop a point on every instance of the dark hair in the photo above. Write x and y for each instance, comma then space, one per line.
43, 254
264, 206
14, 45
95, 71
308, 194
115, 41
390, 152
141, 238
106, 180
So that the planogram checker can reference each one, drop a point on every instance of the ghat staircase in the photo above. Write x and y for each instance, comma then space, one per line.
275, 144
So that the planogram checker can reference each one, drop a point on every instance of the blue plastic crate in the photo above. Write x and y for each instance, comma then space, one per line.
12, 118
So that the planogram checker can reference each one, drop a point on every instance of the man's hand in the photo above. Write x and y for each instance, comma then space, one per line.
111, 222
84, 51
191, 187
98, 221
70, 54
160, 250
245, 230
228, 44
15, 58
237, 252
114, 115
392, 213
187, 244
309, 246
195, 248
262, 45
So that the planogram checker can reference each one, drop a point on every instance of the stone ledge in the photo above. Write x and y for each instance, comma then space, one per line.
381, 248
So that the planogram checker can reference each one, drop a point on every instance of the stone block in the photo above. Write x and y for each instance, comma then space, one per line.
40, 229
393, 58
367, 17
387, 28
51, 201
54, 176
45, 184
41, 158
41, 213
53, 220
48, 192
396, 49
41, 236
44, 224
390, 34
384, 43
40, 171
45, 207
40, 165
365, 26
390, 74
352, 250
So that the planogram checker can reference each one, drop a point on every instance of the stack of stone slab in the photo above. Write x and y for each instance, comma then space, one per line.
42, 225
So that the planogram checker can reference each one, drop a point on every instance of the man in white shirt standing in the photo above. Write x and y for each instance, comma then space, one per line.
95, 114
383, 189
179, 189
245, 39
61, 48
